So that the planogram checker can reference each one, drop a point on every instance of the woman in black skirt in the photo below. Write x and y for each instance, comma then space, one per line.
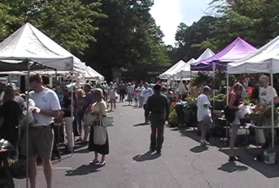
99, 109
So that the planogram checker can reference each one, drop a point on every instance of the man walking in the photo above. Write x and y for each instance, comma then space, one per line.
41, 135
158, 106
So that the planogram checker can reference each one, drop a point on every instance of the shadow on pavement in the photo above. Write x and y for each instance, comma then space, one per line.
194, 134
83, 170
248, 157
174, 129
231, 167
125, 105
199, 149
140, 124
146, 157
84, 150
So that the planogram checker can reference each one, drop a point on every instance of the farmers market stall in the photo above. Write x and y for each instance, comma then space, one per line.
265, 60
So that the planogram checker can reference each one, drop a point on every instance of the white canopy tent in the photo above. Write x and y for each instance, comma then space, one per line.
205, 55
182, 70
265, 60
172, 70
30, 43
90, 73
185, 71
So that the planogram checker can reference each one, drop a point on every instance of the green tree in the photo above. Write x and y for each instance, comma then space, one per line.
192, 40
255, 20
6, 20
128, 37
69, 22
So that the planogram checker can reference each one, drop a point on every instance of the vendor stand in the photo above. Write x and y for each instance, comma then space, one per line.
28, 50
265, 60
236, 50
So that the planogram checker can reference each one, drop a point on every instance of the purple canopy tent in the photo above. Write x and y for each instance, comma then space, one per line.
238, 49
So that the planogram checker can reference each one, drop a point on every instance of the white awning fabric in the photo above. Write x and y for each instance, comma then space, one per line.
265, 60
30, 43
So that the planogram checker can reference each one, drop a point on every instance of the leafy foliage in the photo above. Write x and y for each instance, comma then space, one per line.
257, 21
193, 39
69, 22
127, 38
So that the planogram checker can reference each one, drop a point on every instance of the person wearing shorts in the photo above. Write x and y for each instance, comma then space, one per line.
204, 113
41, 136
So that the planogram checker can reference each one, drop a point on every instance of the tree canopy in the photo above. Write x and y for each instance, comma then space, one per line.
107, 34
69, 22
257, 21
127, 38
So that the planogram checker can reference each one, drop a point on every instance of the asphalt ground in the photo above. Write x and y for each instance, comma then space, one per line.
183, 163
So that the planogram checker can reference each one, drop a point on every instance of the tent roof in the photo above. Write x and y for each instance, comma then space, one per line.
265, 60
91, 73
172, 70
236, 50
205, 55
185, 70
30, 43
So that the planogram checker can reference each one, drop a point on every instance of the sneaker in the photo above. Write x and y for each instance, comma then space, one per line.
102, 163
158, 152
151, 150
233, 158
94, 162
204, 143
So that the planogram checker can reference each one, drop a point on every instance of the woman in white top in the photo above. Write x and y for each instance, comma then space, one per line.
99, 109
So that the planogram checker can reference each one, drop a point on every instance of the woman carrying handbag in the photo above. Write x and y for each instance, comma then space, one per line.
98, 140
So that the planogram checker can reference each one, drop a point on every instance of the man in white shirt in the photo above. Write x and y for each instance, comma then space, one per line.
41, 135
266, 94
146, 93
204, 113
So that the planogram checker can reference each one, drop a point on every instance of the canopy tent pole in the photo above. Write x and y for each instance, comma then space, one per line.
72, 100
27, 127
213, 98
272, 112
227, 80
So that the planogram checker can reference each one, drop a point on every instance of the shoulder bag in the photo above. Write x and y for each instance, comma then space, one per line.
100, 134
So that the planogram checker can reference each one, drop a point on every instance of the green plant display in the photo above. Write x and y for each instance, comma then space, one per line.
173, 118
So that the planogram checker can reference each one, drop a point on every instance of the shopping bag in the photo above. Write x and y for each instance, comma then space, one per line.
107, 121
100, 135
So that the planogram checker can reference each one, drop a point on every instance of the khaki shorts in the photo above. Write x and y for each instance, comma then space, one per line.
40, 142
